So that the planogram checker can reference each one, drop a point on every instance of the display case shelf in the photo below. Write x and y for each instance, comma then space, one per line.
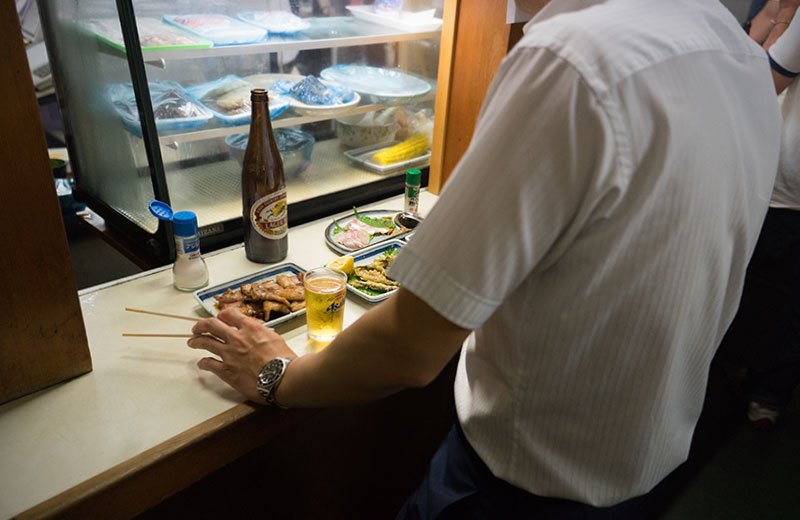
281, 122
324, 33
213, 190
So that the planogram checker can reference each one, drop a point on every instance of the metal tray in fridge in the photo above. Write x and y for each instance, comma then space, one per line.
362, 157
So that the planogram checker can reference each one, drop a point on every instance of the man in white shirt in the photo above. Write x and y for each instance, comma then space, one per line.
615, 185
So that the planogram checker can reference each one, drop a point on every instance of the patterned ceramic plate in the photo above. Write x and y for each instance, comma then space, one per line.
365, 257
206, 296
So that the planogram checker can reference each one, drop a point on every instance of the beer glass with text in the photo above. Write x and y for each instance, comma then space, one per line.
325, 295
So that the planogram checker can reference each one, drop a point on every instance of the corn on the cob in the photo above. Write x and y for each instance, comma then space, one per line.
414, 146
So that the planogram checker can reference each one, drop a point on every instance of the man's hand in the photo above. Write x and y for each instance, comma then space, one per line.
242, 346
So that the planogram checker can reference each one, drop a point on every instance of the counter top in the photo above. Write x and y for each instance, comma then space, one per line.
145, 400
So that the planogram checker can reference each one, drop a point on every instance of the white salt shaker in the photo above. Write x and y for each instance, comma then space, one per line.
189, 271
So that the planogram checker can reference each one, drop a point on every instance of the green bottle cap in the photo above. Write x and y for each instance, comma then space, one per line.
413, 176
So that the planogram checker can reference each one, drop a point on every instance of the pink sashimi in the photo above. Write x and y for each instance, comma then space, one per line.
352, 238
372, 230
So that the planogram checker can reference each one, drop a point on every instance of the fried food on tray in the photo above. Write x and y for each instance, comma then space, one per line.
265, 300
373, 276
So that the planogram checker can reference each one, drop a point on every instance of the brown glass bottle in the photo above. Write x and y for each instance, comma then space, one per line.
264, 205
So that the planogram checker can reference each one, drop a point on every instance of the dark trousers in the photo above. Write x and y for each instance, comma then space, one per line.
767, 324
459, 486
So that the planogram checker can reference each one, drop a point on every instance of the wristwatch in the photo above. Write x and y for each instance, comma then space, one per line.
269, 378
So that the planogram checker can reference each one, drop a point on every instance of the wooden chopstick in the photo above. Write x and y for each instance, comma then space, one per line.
138, 335
166, 315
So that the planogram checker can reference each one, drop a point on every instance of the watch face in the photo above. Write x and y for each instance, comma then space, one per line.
269, 377
270, 373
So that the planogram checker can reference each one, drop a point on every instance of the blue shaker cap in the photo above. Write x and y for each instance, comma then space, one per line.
160, 210
185, 223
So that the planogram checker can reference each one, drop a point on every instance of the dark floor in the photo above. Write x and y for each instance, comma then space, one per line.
749, 475
734, 472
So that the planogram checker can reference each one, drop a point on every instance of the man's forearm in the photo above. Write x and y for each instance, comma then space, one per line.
779, 25
399, 344
762, 25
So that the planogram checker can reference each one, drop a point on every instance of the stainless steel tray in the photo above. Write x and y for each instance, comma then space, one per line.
361, 156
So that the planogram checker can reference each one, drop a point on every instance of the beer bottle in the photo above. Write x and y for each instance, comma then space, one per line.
263, 189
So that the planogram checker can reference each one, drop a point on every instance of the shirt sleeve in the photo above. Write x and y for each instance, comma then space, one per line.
541, 160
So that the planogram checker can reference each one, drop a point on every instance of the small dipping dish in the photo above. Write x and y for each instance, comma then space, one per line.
406, 221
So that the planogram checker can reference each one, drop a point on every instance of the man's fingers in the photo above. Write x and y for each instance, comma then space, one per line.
214, 327
222, 371
235, 318
215, 366
206, 342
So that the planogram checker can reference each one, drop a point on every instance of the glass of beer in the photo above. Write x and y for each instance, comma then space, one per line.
325, 294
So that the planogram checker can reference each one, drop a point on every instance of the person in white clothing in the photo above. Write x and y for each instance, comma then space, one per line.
615, 185
767, 326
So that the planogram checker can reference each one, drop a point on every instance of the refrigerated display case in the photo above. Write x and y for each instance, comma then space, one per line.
154, 96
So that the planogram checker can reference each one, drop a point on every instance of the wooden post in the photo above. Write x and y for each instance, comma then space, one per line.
42, 336
475, 38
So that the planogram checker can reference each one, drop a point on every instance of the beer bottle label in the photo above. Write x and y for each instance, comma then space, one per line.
268, 215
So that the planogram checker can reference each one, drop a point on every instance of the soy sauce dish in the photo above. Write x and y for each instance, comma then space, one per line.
406, 221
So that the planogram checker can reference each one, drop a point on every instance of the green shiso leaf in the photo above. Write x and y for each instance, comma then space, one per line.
374, 222
337, 228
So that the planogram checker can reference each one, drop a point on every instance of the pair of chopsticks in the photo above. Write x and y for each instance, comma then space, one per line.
164, 314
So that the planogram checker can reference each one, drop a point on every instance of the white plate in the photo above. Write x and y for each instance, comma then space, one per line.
363, 157
267, 80
404, 20
365, 257
323, 110
206, 296
382, 85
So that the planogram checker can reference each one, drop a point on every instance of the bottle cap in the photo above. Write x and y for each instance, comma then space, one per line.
413, 176
185, 223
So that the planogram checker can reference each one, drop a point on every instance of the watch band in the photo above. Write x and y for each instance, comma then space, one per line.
269, 378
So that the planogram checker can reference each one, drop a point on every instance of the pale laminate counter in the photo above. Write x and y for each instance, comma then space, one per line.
96, 443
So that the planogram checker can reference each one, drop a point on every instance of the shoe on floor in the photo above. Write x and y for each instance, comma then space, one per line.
762, 417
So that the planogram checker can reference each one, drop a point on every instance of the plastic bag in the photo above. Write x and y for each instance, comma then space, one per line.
227, 97
411, 122
173, 107
312, 91
220, 29
275, 22
153, 34
388, 6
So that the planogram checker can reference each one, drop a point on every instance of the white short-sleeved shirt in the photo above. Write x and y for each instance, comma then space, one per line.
786, 193
596, 234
